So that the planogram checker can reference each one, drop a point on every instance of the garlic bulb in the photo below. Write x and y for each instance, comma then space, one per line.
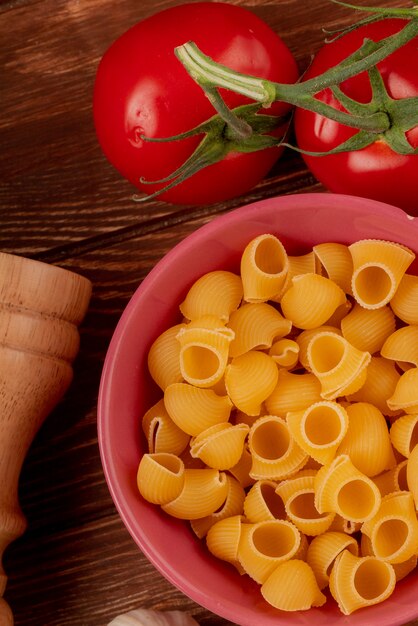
143, 617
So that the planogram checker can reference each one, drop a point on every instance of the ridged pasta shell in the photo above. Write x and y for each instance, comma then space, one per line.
292, 587
233, 505
264, 268
264, 545
404, 434
250, 379
194, 409
356, 582
255, 326
323, 296
285, 353
303, 340
405, 396
160, 477
220, 446
293, 392
405, 301
215, 293
402, 345
163, 358
223, 540
263, 503
368, 329
203, 355
412, 474
337, 262
393, 479
367, 440
241, 471
378, 267
381, 380
162, 434
204, 491
324, 549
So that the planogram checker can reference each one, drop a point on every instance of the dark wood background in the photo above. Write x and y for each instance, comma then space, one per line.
61, 202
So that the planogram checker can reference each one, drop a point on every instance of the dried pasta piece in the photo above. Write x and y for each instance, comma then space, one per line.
220, 446
323, 295
405, 396
204, 492
293, 392
404, 434
285, 353
250, 379
223, 540
378, 267
393, 479
264, 268
304, 338
241, 471
274, 452
405, 301
233, 505
319, 429
162, 434
381, 380
298, 493
263, 503
255, 326
160, 477
203, 355
393, 530
194, 409
339, 366
402, 345
337, 262
292, 587
324, 549
163, 358
367, 440
215, 293
368, 329
356, 582
401, 569
342, 525
264, 545
341, 488
412, 474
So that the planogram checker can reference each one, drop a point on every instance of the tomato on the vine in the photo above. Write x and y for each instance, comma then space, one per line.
142, 89
375, 171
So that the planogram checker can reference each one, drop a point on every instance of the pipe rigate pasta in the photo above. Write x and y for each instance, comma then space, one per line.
382, 377
163, 358
223, 540
319, 429
339, 366
402, 345
368, 329
293, 392
255, 326
405, 301
356, 582
250, 379
378, 268
241, 471
262, 502
215, 293
220, 446
324, 549
405, 396
204, 492
404, 433
393, 530
367, 440
264, 268
303, 339
285, 353
194, 409
323, 295
233, 505
162, 434
341, 488
393, 479
160, 477
203, 355
275, 454
337, 263
412, 474
264, 545
292, 587
401, 569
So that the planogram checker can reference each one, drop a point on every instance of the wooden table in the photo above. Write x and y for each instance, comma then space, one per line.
61, 202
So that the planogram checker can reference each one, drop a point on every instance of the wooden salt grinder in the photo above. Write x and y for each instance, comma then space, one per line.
41, 307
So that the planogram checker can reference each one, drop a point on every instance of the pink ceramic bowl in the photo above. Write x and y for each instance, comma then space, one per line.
127, 391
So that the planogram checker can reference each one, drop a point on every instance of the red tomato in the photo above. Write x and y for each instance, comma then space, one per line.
142, 88
376, 171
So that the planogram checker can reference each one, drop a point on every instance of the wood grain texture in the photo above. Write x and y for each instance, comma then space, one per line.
61, 202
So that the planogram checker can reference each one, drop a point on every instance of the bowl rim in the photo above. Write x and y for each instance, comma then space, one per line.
281, 203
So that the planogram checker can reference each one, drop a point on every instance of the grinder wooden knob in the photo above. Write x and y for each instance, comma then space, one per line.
41, 307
